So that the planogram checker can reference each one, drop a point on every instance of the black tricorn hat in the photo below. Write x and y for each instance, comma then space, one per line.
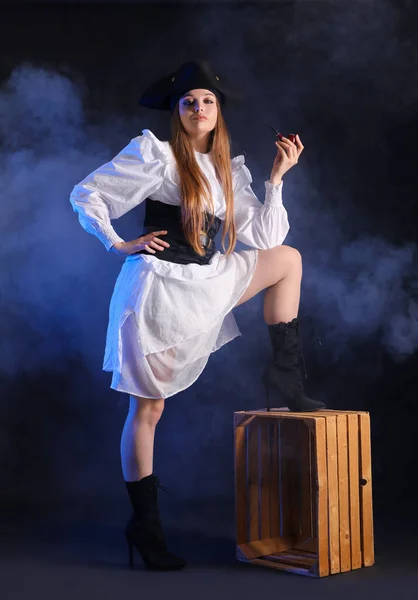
167, 91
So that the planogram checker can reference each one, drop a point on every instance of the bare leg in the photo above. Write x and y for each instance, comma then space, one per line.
137, 441
279, 273
281, 300
144, 529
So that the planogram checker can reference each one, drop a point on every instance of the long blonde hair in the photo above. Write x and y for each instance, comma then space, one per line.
194, 185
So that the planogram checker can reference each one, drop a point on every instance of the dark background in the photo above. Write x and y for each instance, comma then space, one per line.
342, 75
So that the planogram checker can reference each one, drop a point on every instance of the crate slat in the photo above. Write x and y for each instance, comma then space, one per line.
264, 482
271, 561
333, 495
354, 476
322, 497
268, 546
275, 511
345, 542
305, 482
240, 485
366, 491
253, 484
288, 467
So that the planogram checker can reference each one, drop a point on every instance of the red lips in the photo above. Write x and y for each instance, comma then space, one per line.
200, 119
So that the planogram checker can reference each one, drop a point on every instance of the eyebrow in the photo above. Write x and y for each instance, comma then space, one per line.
191, 95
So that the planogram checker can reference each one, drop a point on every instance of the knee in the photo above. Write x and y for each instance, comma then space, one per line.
291, 255
154, 412
147, 409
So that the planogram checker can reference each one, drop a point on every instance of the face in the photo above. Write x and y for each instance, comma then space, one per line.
195, 103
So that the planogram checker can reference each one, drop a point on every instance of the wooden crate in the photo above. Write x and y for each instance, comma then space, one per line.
303, 490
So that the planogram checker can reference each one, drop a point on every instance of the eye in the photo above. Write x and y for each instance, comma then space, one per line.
187, 102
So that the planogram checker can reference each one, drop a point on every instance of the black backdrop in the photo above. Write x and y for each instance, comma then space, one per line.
343, 75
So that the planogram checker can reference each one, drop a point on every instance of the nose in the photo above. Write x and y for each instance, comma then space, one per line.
196, 106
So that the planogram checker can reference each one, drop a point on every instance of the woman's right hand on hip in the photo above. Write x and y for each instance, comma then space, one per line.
148, 242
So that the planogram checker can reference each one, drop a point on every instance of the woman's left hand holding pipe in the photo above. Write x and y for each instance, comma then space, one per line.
288, 153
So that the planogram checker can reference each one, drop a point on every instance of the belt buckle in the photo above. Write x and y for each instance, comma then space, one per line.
204, 238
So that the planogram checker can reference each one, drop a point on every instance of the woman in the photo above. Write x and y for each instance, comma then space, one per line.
173, 300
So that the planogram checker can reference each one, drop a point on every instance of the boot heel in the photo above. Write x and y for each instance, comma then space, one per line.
144, 532
268, 395
131, 553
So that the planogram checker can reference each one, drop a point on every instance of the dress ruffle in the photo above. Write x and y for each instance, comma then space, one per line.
241, 175
152, 147
154, 151
237, 162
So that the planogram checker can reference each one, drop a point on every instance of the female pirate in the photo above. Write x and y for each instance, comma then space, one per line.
173, 299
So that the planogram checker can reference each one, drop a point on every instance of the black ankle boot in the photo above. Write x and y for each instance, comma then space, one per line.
282, 376
144, 530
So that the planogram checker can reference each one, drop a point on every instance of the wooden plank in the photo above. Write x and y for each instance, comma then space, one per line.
296, 473
311, 424
345, 543
305, 482
293, 560
354, 487
274, 480
252, 462
311, 544
264, 480
283, 412
366, 491
322, 499
259, 548
241, 485
303, 559
333, 495
288, 484
243, 419
271, 561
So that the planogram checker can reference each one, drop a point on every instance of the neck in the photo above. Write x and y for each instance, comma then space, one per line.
200, 142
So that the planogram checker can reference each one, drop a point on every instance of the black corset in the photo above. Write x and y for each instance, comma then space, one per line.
159, 215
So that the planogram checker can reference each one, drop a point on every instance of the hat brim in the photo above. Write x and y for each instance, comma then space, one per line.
156, 96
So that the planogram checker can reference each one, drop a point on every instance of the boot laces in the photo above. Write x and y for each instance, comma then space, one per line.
300, 353
164, 488
300, 345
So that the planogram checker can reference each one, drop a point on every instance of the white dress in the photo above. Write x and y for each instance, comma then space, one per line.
165, 319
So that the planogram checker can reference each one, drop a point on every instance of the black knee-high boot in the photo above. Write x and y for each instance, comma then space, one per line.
282, 376
144, 530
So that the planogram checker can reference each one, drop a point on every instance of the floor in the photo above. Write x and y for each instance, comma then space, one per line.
69, 560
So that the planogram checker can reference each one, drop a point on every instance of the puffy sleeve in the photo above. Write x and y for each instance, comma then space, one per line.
258, 225
119, 185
